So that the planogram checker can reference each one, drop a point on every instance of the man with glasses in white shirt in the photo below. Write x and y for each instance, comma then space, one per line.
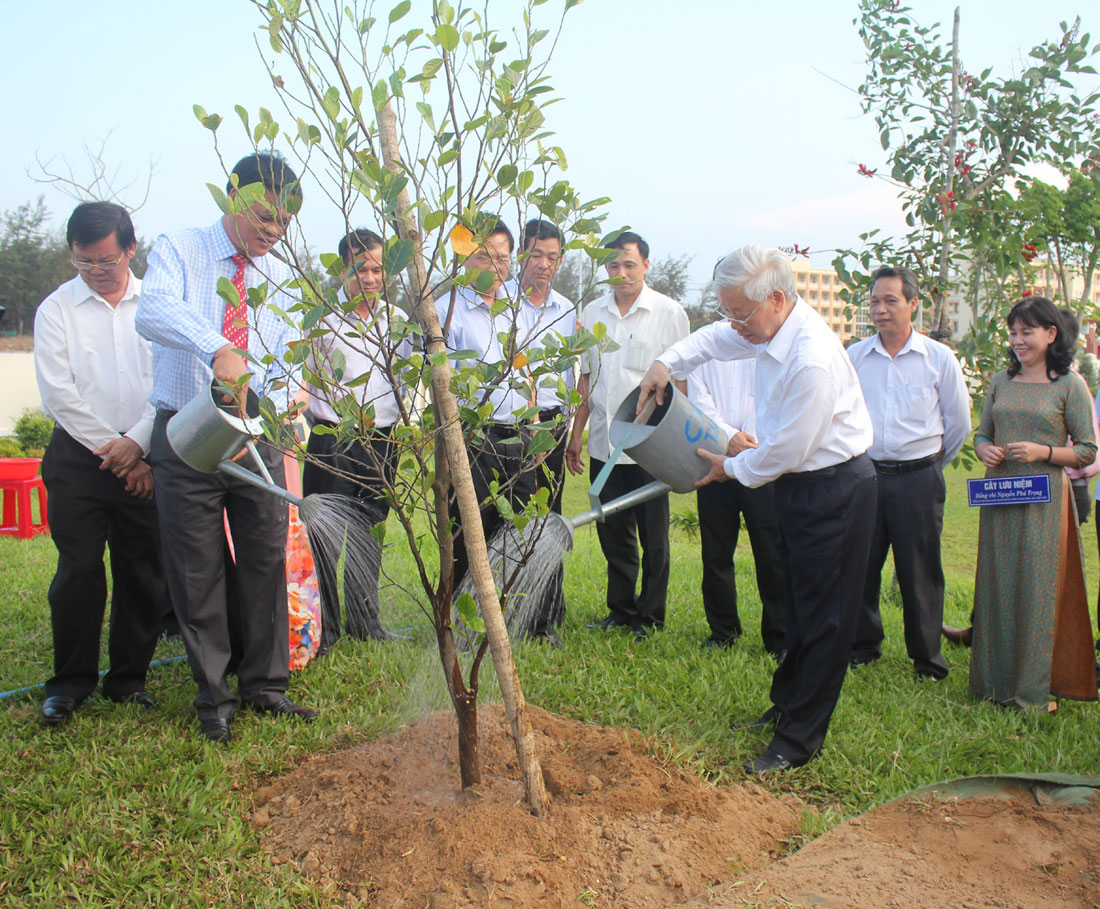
475, 319
813, 432
543, 313
94, 374
354, 354
642, 322
920, 410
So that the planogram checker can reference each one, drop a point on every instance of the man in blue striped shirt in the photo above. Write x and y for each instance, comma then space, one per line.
198, 337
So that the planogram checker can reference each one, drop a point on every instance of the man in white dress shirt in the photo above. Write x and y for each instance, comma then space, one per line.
642, 322
920, 410
545, 312
724, 391
356, 344
94, 374
476, 320
813, 432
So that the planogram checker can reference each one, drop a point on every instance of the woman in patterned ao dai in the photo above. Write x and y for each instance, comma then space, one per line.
1032, 635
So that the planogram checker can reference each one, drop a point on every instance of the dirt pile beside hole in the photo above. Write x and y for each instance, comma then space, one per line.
936, 852
386, 823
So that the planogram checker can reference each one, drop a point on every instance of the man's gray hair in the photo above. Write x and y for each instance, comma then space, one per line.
757, 272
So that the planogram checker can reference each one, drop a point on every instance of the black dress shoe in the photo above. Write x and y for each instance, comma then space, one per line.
606, 624
549, 638
141, 698
963, 636
769, 762
862, 659
778, 655
284, 707
762, 722
713, 643
215, 730
57, 709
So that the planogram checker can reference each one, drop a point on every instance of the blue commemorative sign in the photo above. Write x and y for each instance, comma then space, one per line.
1009, 490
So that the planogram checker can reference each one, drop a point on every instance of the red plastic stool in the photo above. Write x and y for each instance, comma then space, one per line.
18, 478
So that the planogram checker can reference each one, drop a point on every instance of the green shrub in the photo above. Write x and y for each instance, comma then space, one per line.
33, 430
10, 448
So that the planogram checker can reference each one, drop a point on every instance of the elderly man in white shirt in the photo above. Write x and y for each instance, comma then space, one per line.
474, 320
355, 347
642, 322
723, 390
920, 410
94, 374
813, 433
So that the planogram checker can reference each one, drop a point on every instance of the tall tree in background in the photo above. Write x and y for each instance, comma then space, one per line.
956, 138
33, 261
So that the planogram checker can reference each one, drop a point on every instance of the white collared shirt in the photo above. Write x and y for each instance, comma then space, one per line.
724, 391
917, 400
651, 325
359, 347
475, 327
556, 316
810, 412
94, 371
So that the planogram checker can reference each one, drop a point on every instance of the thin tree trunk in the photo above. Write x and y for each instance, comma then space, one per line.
939, 313
473, 534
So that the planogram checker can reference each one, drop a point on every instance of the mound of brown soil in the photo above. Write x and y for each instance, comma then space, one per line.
386, 823
934, 852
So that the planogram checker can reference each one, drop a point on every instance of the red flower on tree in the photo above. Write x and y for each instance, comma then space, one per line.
865, 171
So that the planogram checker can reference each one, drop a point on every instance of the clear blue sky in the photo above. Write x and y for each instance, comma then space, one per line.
709, 124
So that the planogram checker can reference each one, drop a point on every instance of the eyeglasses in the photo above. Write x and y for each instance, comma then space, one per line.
102, 266
738, 322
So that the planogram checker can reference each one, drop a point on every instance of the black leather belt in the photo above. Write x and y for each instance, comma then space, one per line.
893, 468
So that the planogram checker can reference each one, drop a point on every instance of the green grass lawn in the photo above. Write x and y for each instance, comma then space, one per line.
130, 808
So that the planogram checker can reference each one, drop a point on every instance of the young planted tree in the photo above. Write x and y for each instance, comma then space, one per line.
956, 139
426, 133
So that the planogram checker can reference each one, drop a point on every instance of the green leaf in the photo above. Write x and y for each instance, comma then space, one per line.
507, 174
220, 198
228, 292
400, 10
397, 256
448, 36
466, 608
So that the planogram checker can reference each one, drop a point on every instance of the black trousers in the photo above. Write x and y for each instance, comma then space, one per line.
87, 509
374, 470
190, 505
721, 506
825, 522
908, 518
619, 536
550, 475
500, 458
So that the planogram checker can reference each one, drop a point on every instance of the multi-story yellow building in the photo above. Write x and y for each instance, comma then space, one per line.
1046, 283
820, 287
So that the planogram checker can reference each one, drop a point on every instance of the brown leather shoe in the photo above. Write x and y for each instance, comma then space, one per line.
958, 635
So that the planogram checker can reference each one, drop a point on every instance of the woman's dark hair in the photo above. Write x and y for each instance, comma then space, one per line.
1039, 312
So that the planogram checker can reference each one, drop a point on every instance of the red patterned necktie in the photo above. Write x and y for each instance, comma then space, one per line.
235, 325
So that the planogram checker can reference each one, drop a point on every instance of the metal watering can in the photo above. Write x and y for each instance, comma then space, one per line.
208, 433
663, 440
